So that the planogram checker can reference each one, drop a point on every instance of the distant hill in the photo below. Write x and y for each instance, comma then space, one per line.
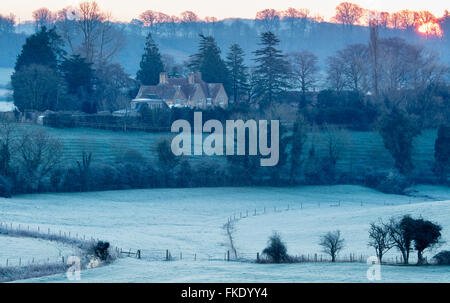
323, 39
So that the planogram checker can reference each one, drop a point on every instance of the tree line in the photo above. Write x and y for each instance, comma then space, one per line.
404, 233
387, 85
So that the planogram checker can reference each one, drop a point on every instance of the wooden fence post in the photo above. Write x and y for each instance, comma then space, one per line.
167, 255
257, 257
138, 253
228, 255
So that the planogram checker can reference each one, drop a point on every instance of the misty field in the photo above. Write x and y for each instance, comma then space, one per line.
189, 223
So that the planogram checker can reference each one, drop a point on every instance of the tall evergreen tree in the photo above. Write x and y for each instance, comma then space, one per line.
36, 80
272, 71
151, 64
238, 72
78, 74
42, 48
209, 62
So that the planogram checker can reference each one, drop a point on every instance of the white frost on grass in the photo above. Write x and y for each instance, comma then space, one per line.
190, 221
29, 250
301, 229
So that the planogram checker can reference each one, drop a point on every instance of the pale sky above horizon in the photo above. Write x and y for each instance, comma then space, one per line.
129, 9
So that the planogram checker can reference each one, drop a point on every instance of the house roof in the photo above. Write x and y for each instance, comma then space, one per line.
168, 90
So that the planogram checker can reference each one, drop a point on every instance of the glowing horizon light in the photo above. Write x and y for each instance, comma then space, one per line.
430, 29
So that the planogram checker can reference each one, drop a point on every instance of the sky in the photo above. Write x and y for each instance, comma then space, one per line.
126, 10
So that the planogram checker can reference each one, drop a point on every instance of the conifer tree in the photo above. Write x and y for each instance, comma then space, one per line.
272, 71
238, 72
151, 64
43, 48
209, 62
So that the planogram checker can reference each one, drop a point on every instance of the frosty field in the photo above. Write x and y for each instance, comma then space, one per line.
366, 149
189, 221
30, 250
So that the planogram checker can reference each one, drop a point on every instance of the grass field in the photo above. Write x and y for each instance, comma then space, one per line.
190, 221
364, 149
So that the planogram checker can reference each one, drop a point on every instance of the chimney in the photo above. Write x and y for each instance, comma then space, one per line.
198, 77
163, 78
191, 78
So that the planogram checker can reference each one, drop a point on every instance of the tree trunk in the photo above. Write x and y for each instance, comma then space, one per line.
405, 256
420, 259
380, 257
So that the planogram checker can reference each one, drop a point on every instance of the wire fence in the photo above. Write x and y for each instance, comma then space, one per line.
303, 206
81, 240
73, 240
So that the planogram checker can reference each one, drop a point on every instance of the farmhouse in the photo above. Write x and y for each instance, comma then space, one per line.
182, 92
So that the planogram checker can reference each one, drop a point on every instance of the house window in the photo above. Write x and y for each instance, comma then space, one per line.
221, 100
177, 102
209, 101
200, 101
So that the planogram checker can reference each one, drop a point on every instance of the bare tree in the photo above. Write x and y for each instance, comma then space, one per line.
304, 69
269, 19
43, 17
401, 235
230, 230
7, 23
355, 70
407, 19
379, 239
296, 19
332, 244
395, 20
380, 19
39, 154
348, 13
335, 73
384, 18
149, 19
423, 17
189, 20
90, 32
189, 17
172, 25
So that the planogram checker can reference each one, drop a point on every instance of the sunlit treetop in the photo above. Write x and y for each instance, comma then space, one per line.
430, 29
